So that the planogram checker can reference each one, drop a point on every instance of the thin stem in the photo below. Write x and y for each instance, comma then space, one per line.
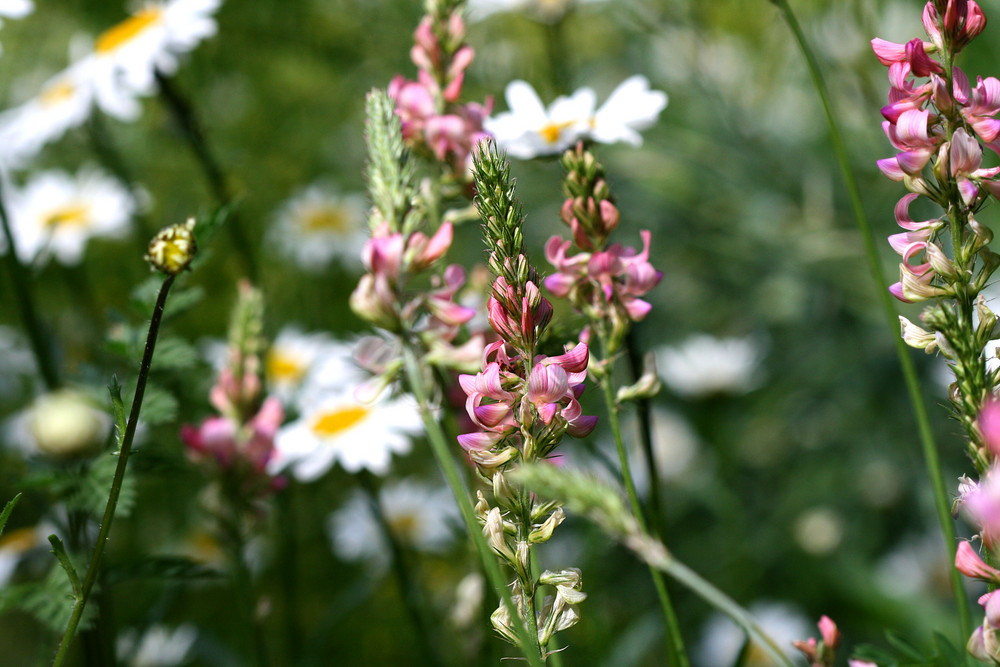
39, 340
675, 641
288, 549
931, 459
439, 446
184, 114
409, 589
646, 437
116, 483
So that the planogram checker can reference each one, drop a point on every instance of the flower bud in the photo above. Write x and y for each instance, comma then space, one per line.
916, 337
173, 248
65, 424
494, 532
939, 261
544, 532
648, 384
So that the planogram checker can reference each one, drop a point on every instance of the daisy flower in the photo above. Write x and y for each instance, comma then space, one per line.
156, 647
704, 366
336, 427
530, 129
57, 213
130, 53
14, 546
546, 10
15, 9
296, 359
419, 515
317, 225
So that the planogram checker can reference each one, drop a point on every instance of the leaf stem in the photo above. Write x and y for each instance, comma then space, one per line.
931, 458
116, 484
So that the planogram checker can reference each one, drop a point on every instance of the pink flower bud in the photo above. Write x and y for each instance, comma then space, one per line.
968, 562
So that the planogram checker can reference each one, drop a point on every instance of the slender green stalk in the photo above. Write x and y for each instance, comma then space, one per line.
675, 641
409, 589
37, 337
439, 446
655, 504
941, 502
116, 484
191, 129
288, 554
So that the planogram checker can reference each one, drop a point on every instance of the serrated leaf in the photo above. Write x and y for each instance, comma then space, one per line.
159, 406
118, 410
90, 493
175, 353
67, 565
7, 509
51, 602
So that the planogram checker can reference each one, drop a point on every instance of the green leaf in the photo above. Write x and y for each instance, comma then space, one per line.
175, 353
8, 508
118, 409
67, 565
209, 225
159, 406
90, 492
50, 601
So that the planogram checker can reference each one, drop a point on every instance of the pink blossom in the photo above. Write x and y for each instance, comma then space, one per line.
222, 440
823, 653
968, 562
989, 425
980, 501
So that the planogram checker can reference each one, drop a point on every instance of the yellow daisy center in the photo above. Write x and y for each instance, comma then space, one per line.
338, 420
284, 367
404, 525
19, 540
57, 93
551, 131
326, 219
74, 215
127, 30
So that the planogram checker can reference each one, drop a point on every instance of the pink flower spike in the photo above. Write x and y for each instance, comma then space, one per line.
574, 360
989, 425
968, 562
828, 630
888, 52
481, 441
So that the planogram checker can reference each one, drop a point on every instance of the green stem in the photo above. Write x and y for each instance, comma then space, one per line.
931, 459
39, 340
288, 550
409, 589
655, 504
675, 641
661, 560
191, 129
439, 446
116, 483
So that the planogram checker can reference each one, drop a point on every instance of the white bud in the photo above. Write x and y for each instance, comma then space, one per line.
65, 423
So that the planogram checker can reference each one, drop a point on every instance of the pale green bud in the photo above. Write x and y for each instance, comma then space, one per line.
544, 532
173, 248
494, 532
65, 424
648, 384
916, 337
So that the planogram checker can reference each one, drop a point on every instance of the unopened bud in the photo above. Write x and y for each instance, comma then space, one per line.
939, 261
173, 248
916, 337
493, 530
648, 384
482, 507
501, 488
66, 424
544, 532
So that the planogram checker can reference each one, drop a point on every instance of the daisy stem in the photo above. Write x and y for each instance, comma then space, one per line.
37, 336
439, 446
931, 458
184, 115
675, 641
409, 588
93, 567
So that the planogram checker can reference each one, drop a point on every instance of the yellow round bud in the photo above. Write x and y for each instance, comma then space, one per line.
173, 248
65, 424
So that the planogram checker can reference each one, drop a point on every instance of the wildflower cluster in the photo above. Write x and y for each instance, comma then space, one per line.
433, 119
604, 282
940, 123
238, 443
522, 403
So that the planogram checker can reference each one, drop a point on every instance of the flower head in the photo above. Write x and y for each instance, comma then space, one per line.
318, 225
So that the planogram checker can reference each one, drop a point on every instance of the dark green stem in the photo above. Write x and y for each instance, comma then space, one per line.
191, 129
40, 343
931, 459
288, 549
439, 445
409, 589
675, 641
646, 437
116, 483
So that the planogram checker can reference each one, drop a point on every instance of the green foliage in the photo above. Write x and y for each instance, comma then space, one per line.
159, 406
67, 565
118, 410
49, 600
7, 510
175, 354
904, 654
88, 492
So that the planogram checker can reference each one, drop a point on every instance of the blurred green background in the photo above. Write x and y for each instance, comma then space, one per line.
808, 490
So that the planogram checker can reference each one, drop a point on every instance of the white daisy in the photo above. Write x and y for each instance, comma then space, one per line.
337, 427
17, 364
317, 225
722, 639
547, 10
57, 213
530, 129
157, 647
151, 39
296, 359
65, 102
14, 545
704, 365
419, 515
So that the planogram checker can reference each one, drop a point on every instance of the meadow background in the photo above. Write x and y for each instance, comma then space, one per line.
801, 494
